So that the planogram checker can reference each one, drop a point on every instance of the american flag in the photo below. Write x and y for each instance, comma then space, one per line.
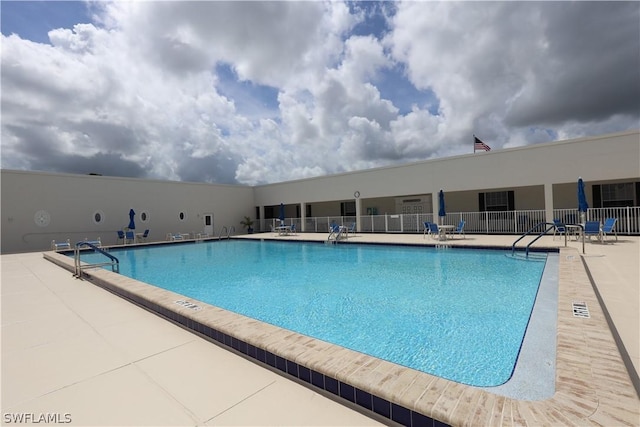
479, 145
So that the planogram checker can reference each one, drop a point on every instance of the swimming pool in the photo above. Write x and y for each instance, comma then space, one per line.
458, 314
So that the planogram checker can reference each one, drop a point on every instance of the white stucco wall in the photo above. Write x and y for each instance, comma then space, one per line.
72, 200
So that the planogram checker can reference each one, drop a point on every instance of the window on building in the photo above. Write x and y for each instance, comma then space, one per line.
416, 208
613, 195
496, 201
348, 209
98, 217
269, 212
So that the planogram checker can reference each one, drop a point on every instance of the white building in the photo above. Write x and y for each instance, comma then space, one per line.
501, 191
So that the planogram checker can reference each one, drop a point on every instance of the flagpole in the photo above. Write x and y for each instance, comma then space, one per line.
474, 144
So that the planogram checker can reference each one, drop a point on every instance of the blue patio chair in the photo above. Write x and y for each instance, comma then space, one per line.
559, 228
121, 236
434, 230
145, 235
292, 230
609, 226
460, 229
592, 228
129, 236
352, 229
427, 229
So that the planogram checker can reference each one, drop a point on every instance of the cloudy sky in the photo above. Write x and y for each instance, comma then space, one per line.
260, 92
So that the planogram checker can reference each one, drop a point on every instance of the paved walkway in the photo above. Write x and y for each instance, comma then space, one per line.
73, 350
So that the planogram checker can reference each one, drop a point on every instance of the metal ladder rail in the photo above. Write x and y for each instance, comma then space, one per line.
231, 229
336, 236
114, 263
223, 229
528, 232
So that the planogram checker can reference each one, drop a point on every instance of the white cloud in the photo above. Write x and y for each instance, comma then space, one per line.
136, 92
504, 68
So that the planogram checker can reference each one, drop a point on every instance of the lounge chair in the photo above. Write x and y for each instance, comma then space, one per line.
592, 228
460, 229
97, 243
559, 228
121, 236
60, 246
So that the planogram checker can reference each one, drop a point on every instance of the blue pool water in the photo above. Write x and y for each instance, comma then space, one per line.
459, 314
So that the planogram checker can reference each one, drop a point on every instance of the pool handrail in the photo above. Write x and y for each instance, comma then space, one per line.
114, 263
550, 226
227, 230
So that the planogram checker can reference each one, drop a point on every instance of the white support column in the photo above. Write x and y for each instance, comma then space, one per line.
303, 216
548, 202
435, 205
358, 213
262, 223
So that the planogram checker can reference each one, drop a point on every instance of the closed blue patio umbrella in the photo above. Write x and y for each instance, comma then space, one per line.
583, 206
441, 210
281, 217
132, 223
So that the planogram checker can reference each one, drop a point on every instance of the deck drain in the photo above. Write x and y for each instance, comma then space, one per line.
580, 309
188, 304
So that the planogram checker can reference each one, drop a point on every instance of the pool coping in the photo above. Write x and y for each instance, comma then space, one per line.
592, 384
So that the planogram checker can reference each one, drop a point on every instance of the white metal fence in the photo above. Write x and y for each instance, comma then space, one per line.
502, 222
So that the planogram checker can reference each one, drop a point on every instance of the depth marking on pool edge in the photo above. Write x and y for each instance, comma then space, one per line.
580, 309
188, 304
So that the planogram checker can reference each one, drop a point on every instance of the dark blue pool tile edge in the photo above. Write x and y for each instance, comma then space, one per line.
363, 399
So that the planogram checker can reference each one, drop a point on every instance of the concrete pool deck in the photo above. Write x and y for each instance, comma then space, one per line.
73, 349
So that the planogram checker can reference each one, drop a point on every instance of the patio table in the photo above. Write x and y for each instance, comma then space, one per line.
284, 230
574, 230
444, 230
